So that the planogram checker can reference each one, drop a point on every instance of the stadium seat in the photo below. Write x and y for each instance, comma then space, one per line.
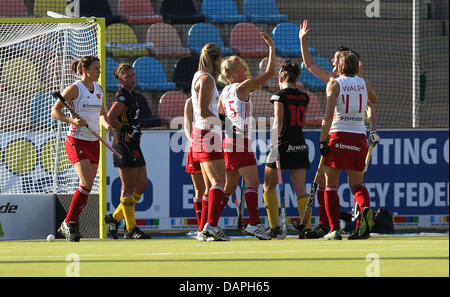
310, 80
121, 41
40, 7
203, 33
314, 113
150, 75
184, 71
223, 11
166, 41
97, 8
138, 12
263, 11
272, 84
261, 104
246, 41
40, 110
20, 75
13, 8
285, 37
112, 84
55, 71
180, 12
171, 105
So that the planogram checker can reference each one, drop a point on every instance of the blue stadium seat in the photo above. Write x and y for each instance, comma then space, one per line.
203, 33
222, 11
150, 75
112, 84
310, 80
180, 12
263, 11
285, 37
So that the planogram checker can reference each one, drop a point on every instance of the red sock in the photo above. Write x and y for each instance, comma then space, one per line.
204, 217
79, 201
251, 198
362, 198
323, 217
198, 210
332, 207
215, 200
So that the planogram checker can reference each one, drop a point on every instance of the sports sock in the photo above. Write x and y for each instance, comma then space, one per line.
118, 213
251, 199
137, 198
79, 201
226, 197
128, 211
332, 207
302, 200
271, 202
323, 217
215, 200
204, 212
361, 198
198, 209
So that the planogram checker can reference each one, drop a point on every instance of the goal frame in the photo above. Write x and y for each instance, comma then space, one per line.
102, 81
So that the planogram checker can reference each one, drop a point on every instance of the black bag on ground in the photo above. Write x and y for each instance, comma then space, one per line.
383, 222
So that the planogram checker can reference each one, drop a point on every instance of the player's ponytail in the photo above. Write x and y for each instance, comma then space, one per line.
289, 71
208, 57
86, 62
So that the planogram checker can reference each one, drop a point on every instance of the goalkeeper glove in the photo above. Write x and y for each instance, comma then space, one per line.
374, 138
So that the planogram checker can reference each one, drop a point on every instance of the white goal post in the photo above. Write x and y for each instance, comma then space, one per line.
35, 59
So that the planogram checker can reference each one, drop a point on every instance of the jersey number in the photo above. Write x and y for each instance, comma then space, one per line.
346, 100
231, 108
297, 115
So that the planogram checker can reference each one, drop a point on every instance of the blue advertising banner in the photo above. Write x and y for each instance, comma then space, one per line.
408, 174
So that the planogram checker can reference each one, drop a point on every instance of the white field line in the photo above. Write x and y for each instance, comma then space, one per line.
203, 253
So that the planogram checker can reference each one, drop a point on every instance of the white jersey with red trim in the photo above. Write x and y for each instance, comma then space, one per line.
88, 105
350, 106
238, 111
200, 122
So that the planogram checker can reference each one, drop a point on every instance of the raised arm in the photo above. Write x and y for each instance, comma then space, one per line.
308, 60
249, 85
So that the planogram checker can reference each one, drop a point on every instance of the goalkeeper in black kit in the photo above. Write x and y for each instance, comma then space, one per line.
133, 172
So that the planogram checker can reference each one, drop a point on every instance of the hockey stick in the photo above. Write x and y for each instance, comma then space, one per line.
60, 97
369, 154
282, 202
311, 197
240, 219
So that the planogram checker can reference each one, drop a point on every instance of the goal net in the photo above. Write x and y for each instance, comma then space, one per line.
35, 59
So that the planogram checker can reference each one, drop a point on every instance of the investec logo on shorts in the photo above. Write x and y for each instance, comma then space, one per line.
348, 147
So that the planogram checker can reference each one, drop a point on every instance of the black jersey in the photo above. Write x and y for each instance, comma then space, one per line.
130, 115
294, 111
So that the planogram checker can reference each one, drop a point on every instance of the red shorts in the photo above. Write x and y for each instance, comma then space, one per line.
79, 149
238, 153
206, 145
192, 167
347, 151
